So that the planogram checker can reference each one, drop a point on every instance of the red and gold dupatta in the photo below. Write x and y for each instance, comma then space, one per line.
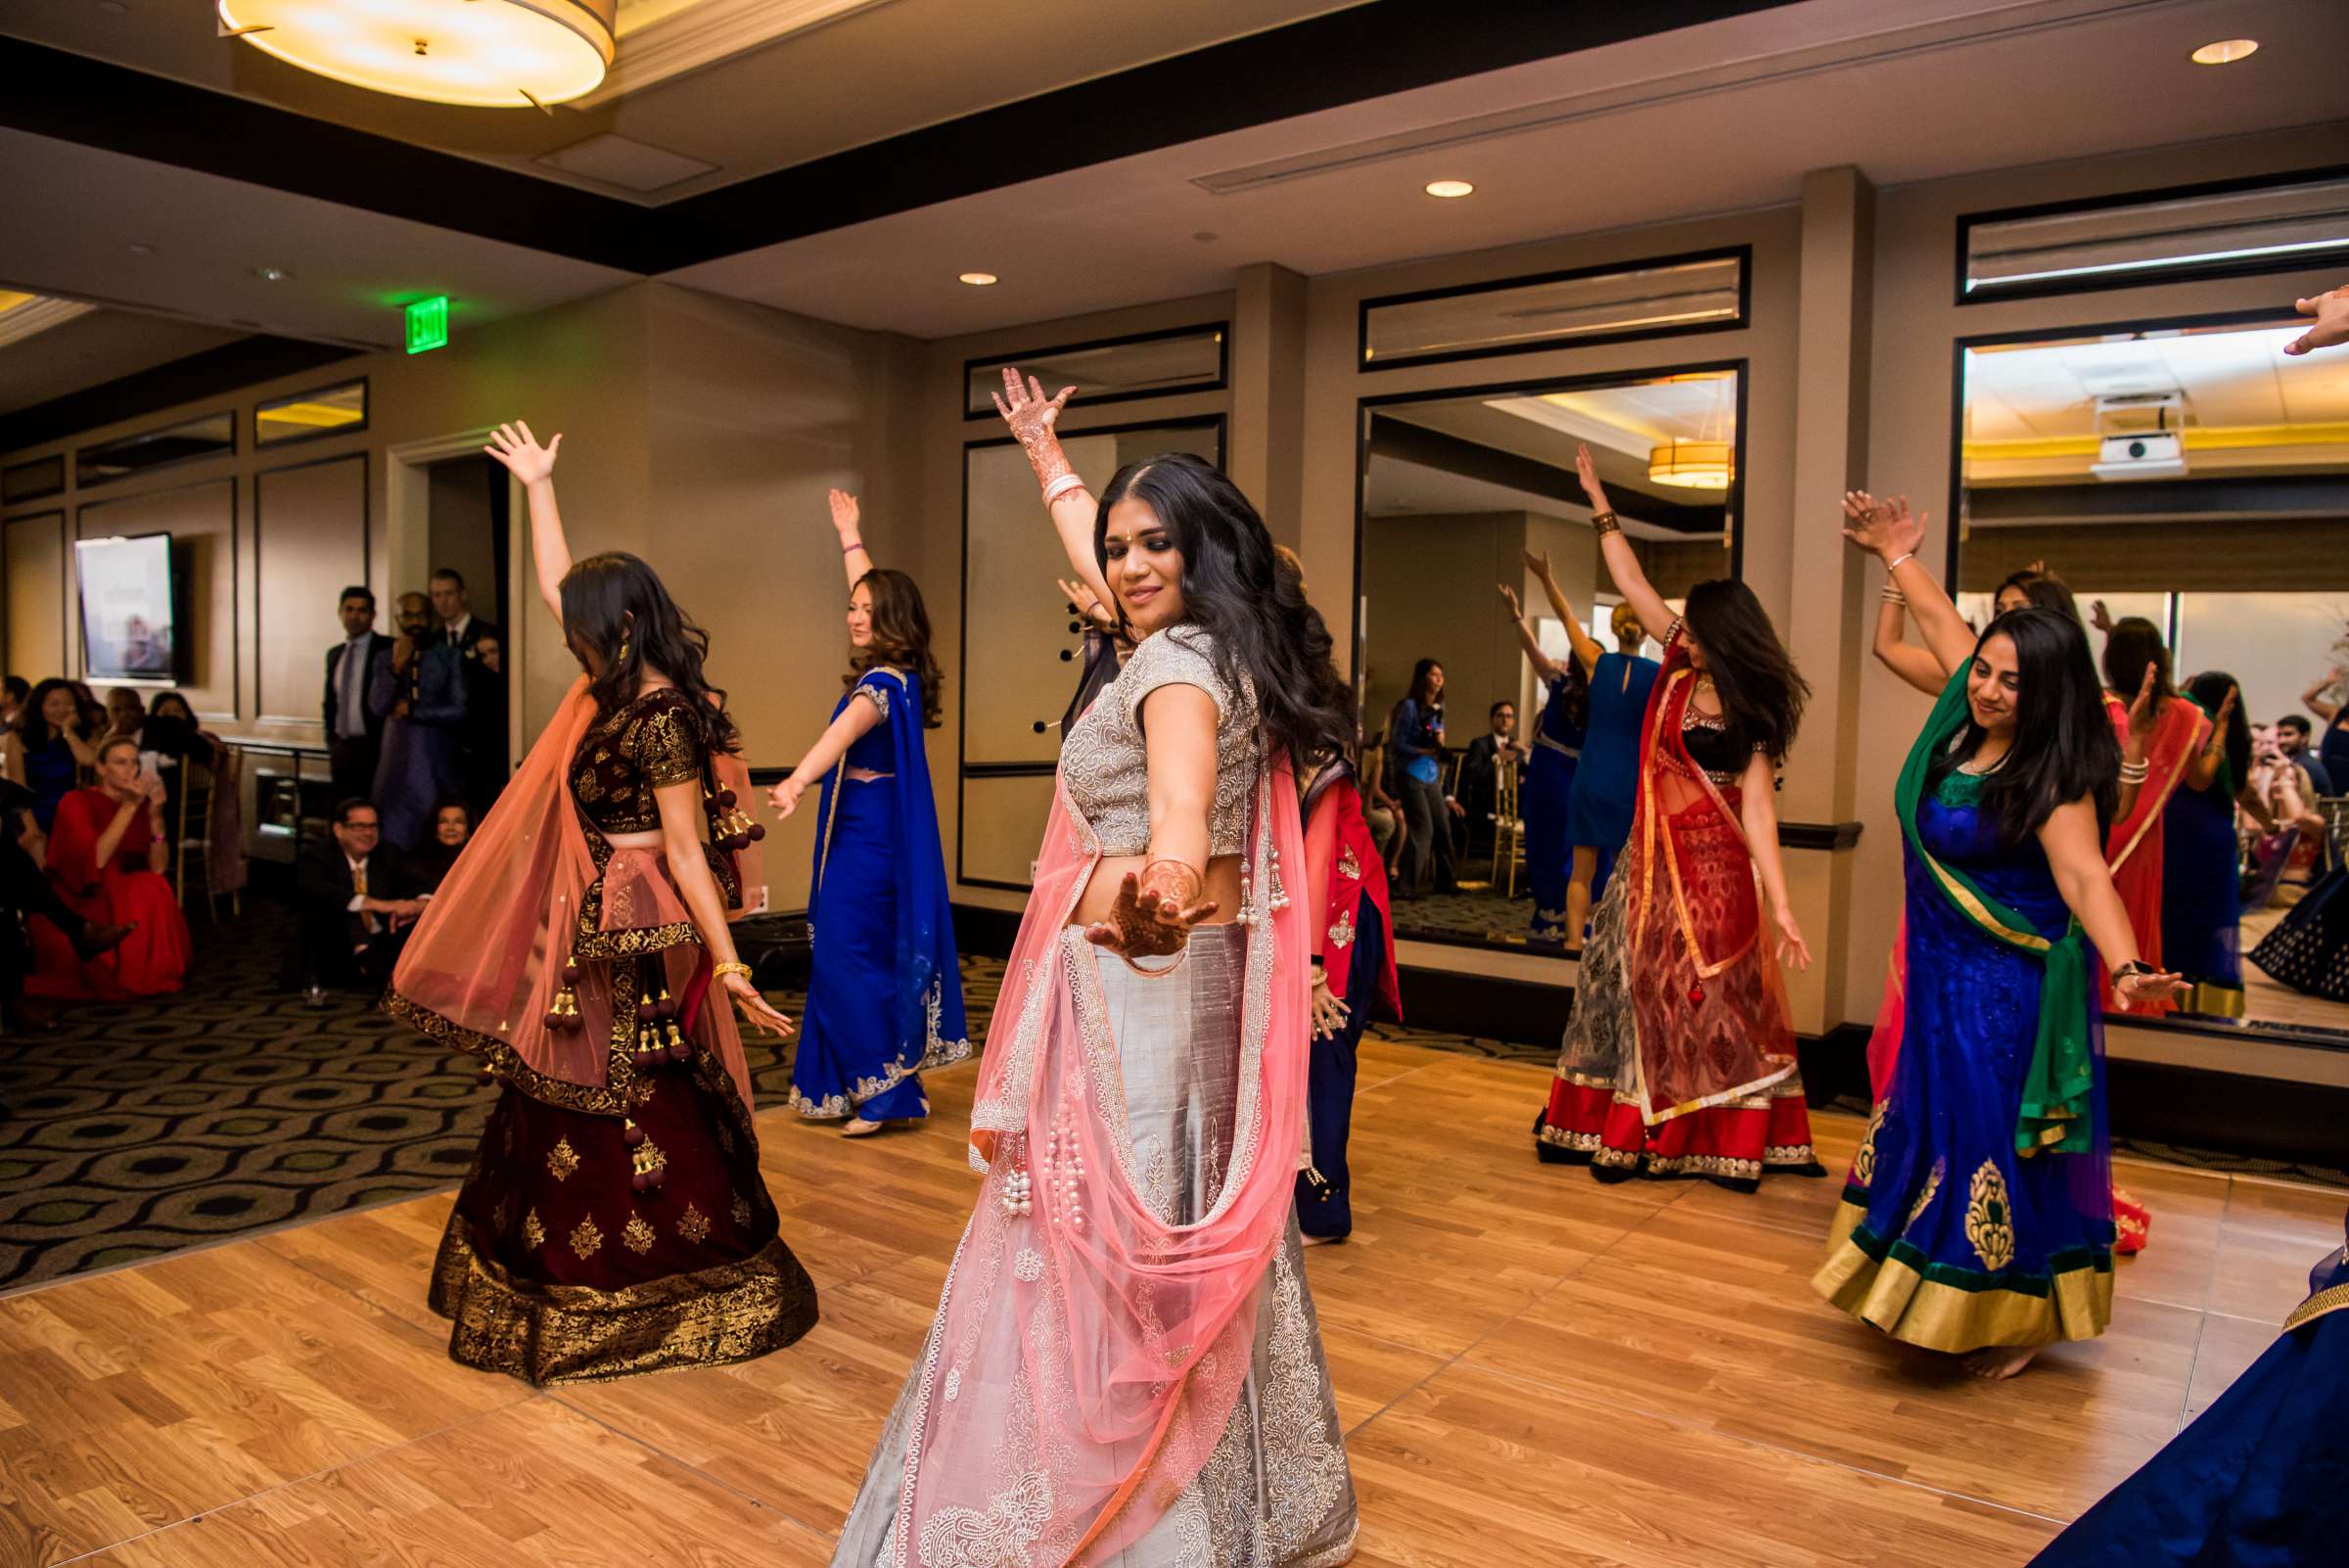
1709, 1010
2133, 848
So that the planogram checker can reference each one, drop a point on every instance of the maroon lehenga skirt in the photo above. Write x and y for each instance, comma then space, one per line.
574, 1253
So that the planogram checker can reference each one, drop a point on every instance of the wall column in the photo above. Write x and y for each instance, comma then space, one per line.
1827, 623
1263, 444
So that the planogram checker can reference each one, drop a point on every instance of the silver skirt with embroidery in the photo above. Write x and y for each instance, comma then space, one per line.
1276, 1492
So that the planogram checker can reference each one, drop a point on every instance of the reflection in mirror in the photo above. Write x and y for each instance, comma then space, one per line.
209, 436
1694, 294
1464, 496
324, 412
1158, 364
2191, 486
1024, 644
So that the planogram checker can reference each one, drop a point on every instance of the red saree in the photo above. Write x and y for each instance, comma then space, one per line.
1680, 1059
2133, 848
154, 959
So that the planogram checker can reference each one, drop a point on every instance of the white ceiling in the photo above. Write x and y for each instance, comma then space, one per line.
1716, 119
1712, 119
95, 346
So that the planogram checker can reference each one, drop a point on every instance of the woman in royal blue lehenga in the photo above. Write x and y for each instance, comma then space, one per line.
2259, 1480
1555, 752
885, 999
2202, 861
1977, 1217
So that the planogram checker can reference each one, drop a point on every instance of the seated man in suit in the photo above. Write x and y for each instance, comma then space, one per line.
357, 904
1480, 775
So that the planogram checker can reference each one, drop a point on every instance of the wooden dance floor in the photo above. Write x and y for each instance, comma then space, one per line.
1535, 1370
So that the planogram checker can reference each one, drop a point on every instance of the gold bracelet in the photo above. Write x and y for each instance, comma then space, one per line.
1189, 883
730, 967
1605, 523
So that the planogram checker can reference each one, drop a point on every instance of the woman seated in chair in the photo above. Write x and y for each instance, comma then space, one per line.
107, 853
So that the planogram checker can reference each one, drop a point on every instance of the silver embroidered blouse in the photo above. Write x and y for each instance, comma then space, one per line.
1102, 761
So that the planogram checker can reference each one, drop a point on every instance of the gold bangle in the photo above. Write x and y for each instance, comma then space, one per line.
730, 967
1188, 883
1606, 522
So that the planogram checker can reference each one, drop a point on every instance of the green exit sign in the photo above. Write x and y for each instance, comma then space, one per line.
428, 324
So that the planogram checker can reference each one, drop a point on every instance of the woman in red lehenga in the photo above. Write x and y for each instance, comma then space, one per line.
1678, 1060
615, 1221
107, 853
2158, 732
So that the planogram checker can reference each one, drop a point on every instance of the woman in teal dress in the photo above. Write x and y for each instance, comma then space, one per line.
1977, 1217
885, 995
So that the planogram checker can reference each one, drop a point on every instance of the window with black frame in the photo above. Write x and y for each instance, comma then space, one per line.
1474, 731
2185, 486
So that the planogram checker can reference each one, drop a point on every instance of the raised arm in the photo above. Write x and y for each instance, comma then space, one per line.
1545, 669
2203, 770
1890, 531
1616, 550
1586, 647
1903, 658
854, 721
846, 520
2317, 703
1031, 417
534, 465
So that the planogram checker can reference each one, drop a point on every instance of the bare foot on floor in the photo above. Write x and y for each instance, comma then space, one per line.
856, 1126
1998, 1363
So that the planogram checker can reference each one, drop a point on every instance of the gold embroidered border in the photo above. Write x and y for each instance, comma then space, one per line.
590, 945
2329, 1300
549, 1334
1897, 1299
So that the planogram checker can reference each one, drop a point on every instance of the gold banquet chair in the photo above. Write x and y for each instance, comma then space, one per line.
192, 845
1509, 829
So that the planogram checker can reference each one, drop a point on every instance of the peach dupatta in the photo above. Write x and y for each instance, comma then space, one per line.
2132, 847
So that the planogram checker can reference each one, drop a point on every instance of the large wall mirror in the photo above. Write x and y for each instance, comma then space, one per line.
1461, 494
1021, 642
2189, 485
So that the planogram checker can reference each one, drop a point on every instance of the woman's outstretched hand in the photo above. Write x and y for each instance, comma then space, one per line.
1082, 600
515, 447
2150, 986
2332, 310
1147, 925
1884, 527
1508, 596
846, 514
1592, 491
1032, 416
755, 1007
785, 796
2144, 710
1330, 1012
1793, 952
1537, 562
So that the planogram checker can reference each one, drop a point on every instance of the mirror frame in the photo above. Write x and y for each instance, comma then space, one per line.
2302, 1035
263, 443
1223, 382
1734, 505
964, 768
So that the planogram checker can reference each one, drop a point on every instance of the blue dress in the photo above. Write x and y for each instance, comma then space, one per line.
1946, 1237
2202, 898
422, 755
1549, 775
1598, 807
885, 999
51, 773
2259, 1480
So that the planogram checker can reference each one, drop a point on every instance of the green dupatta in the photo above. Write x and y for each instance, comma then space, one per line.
2055, 1089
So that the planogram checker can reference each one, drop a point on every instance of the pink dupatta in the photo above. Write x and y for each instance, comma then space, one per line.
1087, 1355
487, 957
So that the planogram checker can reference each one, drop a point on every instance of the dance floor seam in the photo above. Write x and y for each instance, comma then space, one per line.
1532, 1367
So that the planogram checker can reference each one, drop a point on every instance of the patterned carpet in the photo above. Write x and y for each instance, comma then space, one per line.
146, 1128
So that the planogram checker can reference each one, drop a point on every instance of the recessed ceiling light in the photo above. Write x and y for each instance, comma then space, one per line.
2226, 52
142, 249
979, 280
1449, 190
271, 274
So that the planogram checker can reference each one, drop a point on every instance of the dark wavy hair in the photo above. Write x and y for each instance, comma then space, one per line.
2063, 748
1262, 625
1578, 691
2210, 689
901, 636
1330, 688
2134, 643
615, 606
33, 729
1761, 694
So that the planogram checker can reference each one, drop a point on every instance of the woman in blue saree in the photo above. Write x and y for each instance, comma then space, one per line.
2201, 858
1556, 754
1977, 1217
885, 1000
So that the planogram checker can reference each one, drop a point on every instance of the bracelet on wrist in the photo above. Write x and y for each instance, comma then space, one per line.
2133, 967
1061, 485
850, 546
729, 967
1894, 564
1175, 880
1605, 523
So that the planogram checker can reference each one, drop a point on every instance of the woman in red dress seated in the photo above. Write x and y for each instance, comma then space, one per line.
107, 853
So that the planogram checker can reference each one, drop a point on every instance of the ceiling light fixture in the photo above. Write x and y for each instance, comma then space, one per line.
1690, 465
271, 274
484, 54
2226, 52
1450, 190
979, 280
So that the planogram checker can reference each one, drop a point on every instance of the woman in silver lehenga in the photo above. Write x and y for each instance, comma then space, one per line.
1126, 1367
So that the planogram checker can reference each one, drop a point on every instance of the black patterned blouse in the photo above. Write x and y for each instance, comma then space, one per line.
630, 753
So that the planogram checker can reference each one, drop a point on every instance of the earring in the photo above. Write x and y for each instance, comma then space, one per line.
624, 649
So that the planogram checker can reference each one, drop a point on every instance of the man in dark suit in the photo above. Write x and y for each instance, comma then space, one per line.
355, 725
485, 743
1480, 774
357, 904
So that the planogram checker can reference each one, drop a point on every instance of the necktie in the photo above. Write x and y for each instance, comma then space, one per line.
354, 659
